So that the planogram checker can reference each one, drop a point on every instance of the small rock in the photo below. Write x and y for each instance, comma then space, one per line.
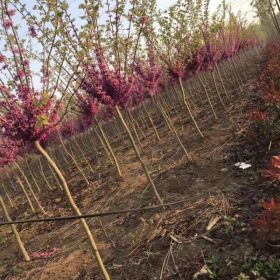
57, 200
223, 170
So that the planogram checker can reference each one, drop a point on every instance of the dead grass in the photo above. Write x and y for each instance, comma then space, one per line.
169, 245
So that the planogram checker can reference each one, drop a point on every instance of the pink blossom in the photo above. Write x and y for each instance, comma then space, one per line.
32, 31
21, 74
15, 51
68, 128
3, 58
150, 75
8, 151
107, 86
89, 107
8, 23
11, 13
177, 71
25, 63
30, 117
144, 20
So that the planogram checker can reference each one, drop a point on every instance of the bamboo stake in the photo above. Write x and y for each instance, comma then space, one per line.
176, 134
151, 120
31, 190
26, 195
108, 146
14, 229
75, 208
138, 155
189, 109
208, 97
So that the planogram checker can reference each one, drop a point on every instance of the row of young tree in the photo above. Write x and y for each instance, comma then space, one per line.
68, 77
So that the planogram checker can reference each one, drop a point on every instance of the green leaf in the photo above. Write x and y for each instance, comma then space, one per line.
44, 100
42, 120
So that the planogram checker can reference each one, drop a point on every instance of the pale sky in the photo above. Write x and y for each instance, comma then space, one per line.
237, 5
242, 5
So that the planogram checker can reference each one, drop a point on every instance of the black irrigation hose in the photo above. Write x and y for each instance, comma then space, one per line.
102, 214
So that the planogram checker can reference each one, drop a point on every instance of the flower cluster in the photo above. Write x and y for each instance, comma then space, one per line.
149, 77
108, 87
117, 86
269, 91
88, 108
177, 71
29, 116
32, 31
269, 221
68, 128
218, 46
272, 49
8, 151
8, 23
258, 116
3, 59
213, 52
272, 97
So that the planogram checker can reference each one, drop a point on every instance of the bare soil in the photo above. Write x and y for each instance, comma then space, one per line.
171, 244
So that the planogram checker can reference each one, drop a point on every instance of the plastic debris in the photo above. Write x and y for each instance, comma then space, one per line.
45, 254
243, 165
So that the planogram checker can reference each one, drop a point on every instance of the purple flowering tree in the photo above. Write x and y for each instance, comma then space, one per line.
28, 115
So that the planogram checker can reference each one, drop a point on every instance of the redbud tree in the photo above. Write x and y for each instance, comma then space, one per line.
29, 112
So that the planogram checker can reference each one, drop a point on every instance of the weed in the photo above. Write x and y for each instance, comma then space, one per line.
229, 224
243, 276
2, 241
17, 270
259, 267
216, 267
268, 224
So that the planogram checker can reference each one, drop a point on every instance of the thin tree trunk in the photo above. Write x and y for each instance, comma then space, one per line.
75, 208
104, 138
208, 97
216, 88
235, 74
14, 229
43, 174
151, 120
161, 111
103, 145
136, 134
32, 176
137, 124
138, 155
81, 151
176, 135
31, 190
222, 81
26, 195
56, 179
278, 5
189, 109
74, 160
9, 199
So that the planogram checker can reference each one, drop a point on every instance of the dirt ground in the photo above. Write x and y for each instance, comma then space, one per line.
209, 236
